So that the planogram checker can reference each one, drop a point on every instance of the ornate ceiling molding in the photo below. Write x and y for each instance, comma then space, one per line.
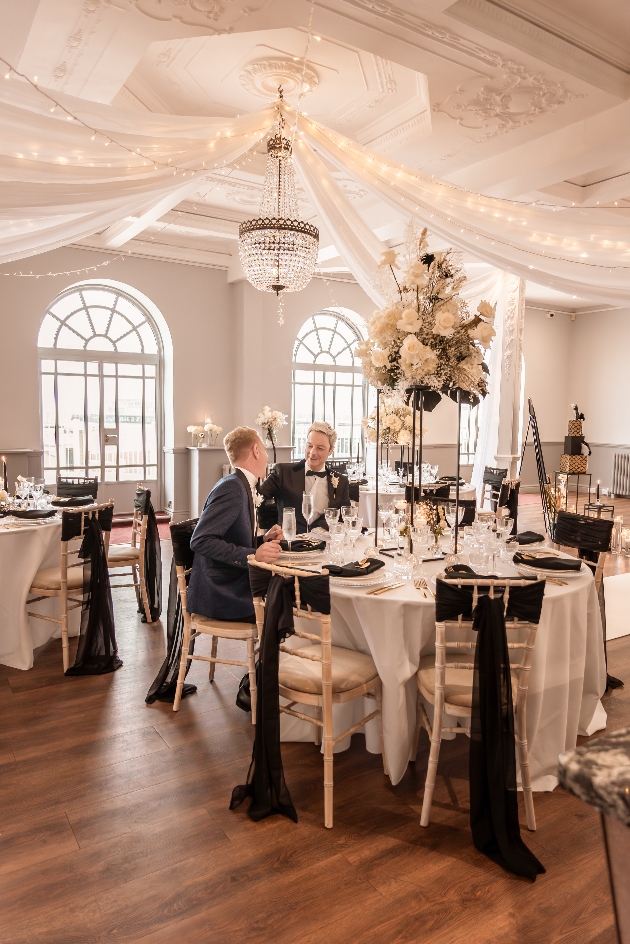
386, 86
84, 28
216, 16
263, 76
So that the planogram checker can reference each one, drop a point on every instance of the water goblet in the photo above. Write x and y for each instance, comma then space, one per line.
347, 511
354, 530
337, 537
288, 525
332, 516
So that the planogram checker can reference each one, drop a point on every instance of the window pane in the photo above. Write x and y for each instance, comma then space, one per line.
69, 339
345, 358
149, 370
98, 297
130, 370
131, 311
99, 343
111, 454
100, 319
93, 424
71, 405
109, 368
131, 474
130, 344
80, 323
151, 472
47, 366
109, 402
148, 338
150, 421
48, 422
66, 305
110, 475
303, 376
130, 421
47, 332
70, 367
118, 326
92, 367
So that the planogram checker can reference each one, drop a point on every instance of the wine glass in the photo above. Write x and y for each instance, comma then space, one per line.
354, 530
38, 490
288, 525
308, 508
332, 516
347, 511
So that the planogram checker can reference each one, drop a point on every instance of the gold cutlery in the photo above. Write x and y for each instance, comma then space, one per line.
558, 583
423, 585
391, 586
418, 584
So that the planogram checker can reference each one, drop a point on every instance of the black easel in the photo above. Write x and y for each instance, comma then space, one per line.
543, 478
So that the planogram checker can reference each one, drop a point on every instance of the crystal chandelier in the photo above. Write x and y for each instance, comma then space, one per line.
278, 250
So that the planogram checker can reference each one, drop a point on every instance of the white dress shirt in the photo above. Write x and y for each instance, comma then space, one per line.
318, 488
253, 481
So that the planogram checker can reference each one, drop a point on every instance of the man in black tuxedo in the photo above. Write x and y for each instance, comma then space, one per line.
288, 481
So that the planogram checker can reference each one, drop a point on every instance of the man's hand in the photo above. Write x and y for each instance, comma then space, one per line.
274, 534
268, 552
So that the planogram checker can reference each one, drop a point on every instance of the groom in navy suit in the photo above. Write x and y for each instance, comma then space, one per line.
226, 534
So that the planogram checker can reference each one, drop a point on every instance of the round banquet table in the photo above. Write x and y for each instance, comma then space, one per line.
367, 500
25, 549
567, 678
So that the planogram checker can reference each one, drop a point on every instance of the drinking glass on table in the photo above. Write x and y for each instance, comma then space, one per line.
354, 530
37, 490
332, 516
337, 537
479, 559
308, 509
288, 525
347, 511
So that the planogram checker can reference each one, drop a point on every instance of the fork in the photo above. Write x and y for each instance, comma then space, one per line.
421, 584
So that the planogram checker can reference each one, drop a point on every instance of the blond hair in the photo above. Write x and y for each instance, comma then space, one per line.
238, 443
326, 429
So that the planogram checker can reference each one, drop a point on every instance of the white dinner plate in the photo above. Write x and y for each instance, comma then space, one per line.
299, 555
371, 580
559, 574
515, 546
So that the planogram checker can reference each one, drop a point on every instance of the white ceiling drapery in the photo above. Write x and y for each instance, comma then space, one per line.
59, 186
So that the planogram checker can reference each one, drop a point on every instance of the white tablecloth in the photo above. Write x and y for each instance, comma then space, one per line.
367, 501
24, 550
396, 628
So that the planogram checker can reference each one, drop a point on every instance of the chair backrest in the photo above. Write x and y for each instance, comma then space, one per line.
302, 607
582, 532
73, 526
77, 487
355, 492
183, 556
141, 505
267, 514
446, 629
492, 482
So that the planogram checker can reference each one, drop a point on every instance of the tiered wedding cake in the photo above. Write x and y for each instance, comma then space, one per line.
574, 458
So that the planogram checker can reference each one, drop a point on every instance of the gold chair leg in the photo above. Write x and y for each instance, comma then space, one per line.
328, 764
182, 665
251, 668
416, 734
317, 734
526, 782
136, 584
65, 645
213, 653
145, 598
434, 753
378, 693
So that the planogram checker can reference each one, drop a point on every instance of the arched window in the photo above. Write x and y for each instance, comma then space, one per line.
100, 363
327, 380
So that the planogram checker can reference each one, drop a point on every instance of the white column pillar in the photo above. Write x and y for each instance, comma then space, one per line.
507, 453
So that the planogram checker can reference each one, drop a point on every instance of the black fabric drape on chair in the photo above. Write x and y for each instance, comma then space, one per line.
492, 762
152, 556
265, 779
165, 682
97, 652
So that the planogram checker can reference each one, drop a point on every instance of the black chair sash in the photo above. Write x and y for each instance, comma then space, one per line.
165, 683
265, 781
77, 487
492, 761
590, 534
97, 652
152, 556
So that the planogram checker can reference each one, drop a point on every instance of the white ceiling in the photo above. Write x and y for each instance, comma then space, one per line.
509, 97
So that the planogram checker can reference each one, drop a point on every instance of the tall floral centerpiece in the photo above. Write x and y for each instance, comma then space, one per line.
424, 341
271, 421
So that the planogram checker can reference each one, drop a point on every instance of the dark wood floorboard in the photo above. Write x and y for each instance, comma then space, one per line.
116, 825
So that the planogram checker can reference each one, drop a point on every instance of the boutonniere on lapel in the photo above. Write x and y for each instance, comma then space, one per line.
258, 499
334, 480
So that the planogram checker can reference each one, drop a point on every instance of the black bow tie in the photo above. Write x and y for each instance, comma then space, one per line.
320, 475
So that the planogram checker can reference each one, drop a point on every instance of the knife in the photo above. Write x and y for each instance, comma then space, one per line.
391, 586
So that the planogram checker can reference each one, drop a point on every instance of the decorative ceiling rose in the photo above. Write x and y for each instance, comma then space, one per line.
263, 76
278, 250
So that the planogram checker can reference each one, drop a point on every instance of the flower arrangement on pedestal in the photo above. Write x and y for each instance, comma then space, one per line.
395, 422
271, 421
426, 336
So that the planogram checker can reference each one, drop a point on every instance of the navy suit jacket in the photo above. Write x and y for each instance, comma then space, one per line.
223, 539
286, 485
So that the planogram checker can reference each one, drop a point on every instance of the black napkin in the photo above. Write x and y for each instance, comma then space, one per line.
548, 563
527, 537
73, 502
463, 570
353, 569
28, 513
298, 545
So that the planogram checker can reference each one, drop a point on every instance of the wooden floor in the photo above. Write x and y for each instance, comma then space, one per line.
115, 827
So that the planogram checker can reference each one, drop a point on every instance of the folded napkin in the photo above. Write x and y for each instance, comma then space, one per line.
353, 569
30, 513
300, 545
547, 563
73, 502
527, 537
463, 570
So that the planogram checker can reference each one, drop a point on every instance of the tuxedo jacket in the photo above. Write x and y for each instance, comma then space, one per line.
286, 485
223, 539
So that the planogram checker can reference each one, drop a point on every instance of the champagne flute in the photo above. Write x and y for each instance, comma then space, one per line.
308, 509
288, 525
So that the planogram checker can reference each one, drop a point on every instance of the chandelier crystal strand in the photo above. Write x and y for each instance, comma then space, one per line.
278, 250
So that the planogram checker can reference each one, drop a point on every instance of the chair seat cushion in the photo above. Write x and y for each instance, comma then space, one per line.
50, 578
350, 669
122, 553
223, 628
458, 682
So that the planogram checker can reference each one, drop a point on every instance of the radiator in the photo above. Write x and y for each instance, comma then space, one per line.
621, 474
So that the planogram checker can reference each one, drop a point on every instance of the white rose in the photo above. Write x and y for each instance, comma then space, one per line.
413, 347
404, 437
446, 320
380, 358
391, 314
483, 333
409, 320
389, 259
395, 423
486, 310
417, 275
362, 349
385, 421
